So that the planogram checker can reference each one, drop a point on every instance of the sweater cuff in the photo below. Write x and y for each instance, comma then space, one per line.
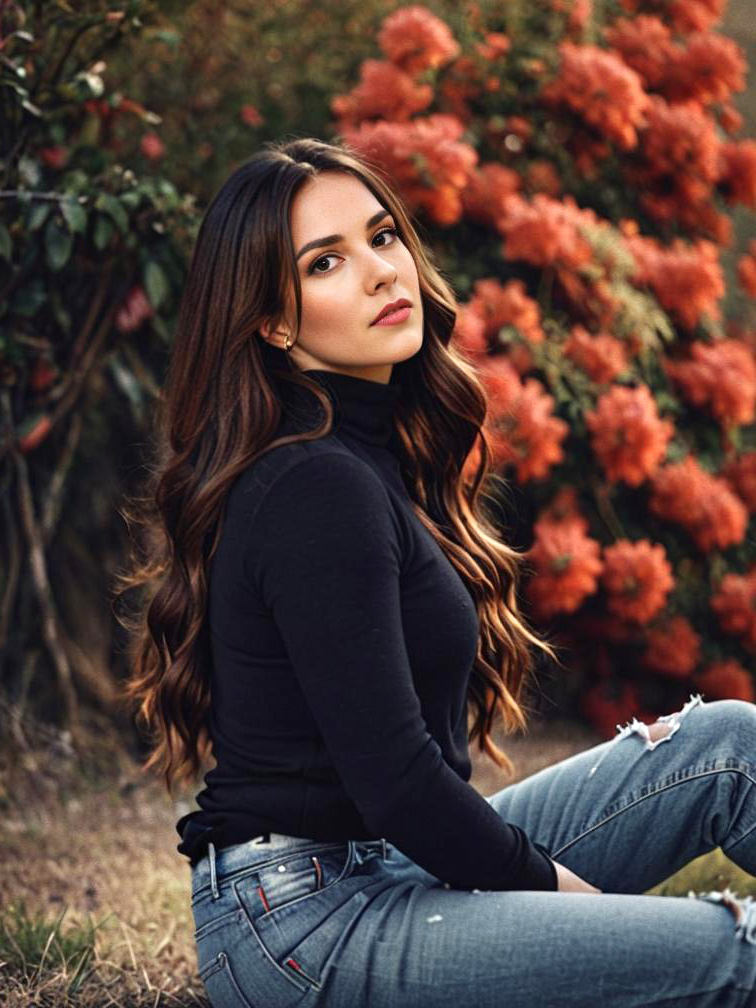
543, 870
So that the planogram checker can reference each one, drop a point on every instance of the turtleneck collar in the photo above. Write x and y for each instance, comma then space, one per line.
363, 409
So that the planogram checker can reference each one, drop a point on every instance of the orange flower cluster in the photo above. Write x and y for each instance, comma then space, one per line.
687, 279
747, 270
424, 156
562, 509
607, 709
720, 377
549, 232
735, 606
737, 172
494, 46
566, 564
672, 649
741, 477
735, 329
470, 331
702, 504
600, 88
462, 82
416, 40
679, 163
522, 430
683, 15
507, 304
627, 434
645, 44
729, 118
434, 143
726, 680
484, 197
601, 356
542, 176
546, 232
707, 69
384, 92
580, 12
637, 578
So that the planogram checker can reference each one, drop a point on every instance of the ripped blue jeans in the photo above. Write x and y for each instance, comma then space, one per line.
357, 924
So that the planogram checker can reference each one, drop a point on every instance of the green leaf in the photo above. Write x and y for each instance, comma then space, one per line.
6, 244
131, 199
75, 181
128, 384
38, 214
111, 205
103, 231
58, 244
155, 283
75, 215
164, 332
18, 88
166, 188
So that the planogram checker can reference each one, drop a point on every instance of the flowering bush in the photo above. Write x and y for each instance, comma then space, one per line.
577, 170
91, 263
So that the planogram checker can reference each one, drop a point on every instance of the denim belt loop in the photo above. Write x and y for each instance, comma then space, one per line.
383, 846
213, 876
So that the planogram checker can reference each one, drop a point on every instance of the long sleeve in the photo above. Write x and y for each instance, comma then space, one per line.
324, 553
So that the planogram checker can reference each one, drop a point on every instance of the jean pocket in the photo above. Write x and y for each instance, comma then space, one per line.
220, 984
293, 879
238, 972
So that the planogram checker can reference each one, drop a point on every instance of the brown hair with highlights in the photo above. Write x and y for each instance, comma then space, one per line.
220, 410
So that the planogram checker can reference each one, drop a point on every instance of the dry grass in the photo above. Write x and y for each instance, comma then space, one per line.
105, 858
95, 897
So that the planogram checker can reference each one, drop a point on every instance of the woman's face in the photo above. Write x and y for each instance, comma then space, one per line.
348, 279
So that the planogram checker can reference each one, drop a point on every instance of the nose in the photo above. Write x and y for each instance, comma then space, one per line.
380, 271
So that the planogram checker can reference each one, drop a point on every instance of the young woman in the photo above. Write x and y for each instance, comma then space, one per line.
328, 599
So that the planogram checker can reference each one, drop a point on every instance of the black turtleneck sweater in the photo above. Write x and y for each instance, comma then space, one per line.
342, 643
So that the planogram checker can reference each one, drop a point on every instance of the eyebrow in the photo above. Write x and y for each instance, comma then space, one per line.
332, 239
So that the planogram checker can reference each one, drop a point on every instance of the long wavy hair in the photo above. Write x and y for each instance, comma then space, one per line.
220, 410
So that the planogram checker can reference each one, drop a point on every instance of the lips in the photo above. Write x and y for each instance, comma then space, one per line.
389, 308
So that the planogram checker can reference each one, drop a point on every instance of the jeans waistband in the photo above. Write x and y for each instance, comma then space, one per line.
264, 848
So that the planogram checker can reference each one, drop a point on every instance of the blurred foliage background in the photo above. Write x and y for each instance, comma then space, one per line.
118, 121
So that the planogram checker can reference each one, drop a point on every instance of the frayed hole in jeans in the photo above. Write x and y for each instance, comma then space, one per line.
638, 727
742, 908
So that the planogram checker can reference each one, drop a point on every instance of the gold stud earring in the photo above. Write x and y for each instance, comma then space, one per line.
287, 345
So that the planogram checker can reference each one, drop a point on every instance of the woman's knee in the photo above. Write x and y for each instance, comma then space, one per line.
732, 720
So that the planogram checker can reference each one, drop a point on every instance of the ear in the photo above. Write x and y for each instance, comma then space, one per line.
271, 335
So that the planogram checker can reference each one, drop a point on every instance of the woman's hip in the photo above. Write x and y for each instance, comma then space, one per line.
360, 931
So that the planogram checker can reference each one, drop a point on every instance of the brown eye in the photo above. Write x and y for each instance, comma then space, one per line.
311, 268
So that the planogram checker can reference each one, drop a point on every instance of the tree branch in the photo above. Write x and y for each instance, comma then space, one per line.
12, 571
41, 582
53, 499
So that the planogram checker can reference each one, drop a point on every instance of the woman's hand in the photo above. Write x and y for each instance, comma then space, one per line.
568, 881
